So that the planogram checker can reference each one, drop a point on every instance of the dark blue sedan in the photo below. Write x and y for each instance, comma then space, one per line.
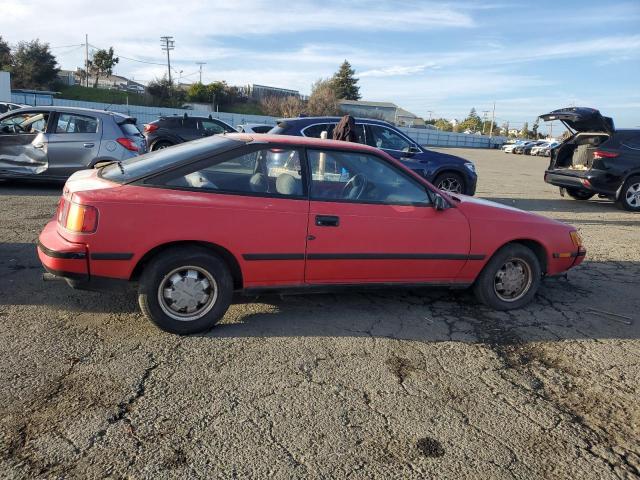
447, 172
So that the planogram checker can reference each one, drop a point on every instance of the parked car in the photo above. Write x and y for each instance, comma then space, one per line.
519, 149
531, 145
596, 159
53, 142
8, 106
254, 128
545, 150
447, 172
536, 149
192, 223
508, 148
168, 131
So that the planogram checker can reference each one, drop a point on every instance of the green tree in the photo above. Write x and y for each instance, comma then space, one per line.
345, 84
34, 66
6, 58
443, 124
525, 130
323, 99
534, 130
472, 122
198, 93
101, 64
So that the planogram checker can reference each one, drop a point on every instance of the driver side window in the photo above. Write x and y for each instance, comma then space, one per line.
361, 178
25, 123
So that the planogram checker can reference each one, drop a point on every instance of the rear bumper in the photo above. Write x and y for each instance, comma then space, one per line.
596, 181
70, 261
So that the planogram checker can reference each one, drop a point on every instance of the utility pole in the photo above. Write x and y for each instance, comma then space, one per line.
429, 112
484, 120
167, 45
201, 63
86, 59
493, 117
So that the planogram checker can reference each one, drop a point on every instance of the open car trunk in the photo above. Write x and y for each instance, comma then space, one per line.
590, 130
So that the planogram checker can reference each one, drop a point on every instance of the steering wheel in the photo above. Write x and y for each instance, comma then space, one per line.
17, 128
355, 187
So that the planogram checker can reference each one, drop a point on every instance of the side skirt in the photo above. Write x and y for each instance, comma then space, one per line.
342, 287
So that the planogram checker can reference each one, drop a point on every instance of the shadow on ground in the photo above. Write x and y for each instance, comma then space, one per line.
562, 309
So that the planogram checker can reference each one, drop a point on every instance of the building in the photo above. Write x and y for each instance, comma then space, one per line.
111, 82
387, 111
258, 92
67, 77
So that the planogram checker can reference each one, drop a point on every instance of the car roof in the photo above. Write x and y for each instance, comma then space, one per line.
303, 142
332, 119
54, 108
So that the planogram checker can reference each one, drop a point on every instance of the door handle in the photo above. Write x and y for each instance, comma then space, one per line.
38, 145
327, 221
89, 145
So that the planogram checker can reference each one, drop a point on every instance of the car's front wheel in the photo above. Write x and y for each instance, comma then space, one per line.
450, 182
579, 194
185, 290
510, 279
629, 198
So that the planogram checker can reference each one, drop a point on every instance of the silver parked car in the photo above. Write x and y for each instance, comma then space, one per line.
53, 142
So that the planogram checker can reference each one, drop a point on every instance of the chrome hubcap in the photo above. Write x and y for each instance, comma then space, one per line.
633, 195
450, 185
512, 280
187, 293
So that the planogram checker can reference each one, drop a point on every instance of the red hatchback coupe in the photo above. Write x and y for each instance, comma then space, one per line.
194, 222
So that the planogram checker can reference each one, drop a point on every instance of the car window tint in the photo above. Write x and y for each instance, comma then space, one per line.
316, 130
212, 127
269, 171
71, 123
383, 137
354, 176
262, 128
190, 123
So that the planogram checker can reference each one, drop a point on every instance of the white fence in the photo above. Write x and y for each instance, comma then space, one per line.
144, 115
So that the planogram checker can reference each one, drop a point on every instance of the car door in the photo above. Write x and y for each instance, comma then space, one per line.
23, 149
371, 222
73, 142
257, 212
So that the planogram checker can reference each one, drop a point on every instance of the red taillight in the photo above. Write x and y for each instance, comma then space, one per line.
77, 218
603, 154
150, 127
127, 143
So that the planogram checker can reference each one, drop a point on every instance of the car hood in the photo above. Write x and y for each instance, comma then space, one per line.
485, 209
581, 119
431, 156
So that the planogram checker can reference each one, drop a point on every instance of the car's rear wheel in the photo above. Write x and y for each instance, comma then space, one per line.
579, 194
510, 279
161, 145
450, 182
629, 198
185, 290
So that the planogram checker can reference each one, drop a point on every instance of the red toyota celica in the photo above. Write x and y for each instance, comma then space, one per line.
192, 223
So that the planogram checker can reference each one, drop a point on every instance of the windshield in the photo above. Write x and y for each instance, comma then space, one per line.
153, 162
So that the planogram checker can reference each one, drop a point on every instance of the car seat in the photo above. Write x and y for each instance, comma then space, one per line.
288, 185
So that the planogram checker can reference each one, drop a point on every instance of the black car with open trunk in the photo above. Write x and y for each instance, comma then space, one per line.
596, 159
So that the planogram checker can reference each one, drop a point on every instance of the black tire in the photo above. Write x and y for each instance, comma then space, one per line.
579, 194
487, 286
166, 265
450, 179
629, 198
159, 145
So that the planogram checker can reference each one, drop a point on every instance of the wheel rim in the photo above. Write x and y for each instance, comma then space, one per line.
633, 195
187, 293
450, 184
513, 280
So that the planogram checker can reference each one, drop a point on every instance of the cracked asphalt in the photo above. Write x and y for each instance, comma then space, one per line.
375, 384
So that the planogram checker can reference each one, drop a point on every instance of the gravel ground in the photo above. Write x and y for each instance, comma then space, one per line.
382, 384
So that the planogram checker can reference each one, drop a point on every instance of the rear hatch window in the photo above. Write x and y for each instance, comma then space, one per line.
162, 160
130, 129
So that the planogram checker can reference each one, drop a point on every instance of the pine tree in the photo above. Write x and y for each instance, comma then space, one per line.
345, 84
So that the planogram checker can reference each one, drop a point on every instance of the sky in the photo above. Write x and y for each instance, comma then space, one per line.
435, 59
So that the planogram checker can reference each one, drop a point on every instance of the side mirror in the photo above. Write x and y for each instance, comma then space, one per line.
439, 202
410, 151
